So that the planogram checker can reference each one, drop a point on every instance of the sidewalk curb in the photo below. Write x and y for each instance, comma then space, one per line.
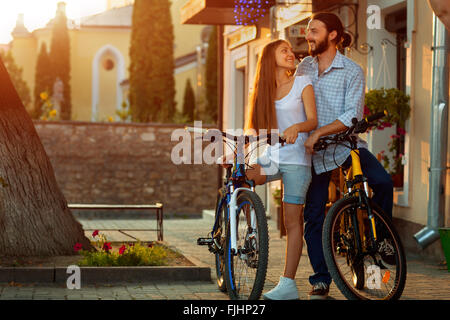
93, 275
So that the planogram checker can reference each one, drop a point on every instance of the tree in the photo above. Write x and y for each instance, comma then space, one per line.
34, 217
43, 80
152, 83
15, 72
60, 60
211, 76
189, 101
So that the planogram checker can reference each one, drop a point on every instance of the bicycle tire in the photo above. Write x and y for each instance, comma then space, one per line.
220, 217
330, 252
234, 262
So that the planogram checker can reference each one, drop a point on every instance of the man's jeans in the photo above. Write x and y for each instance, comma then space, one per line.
317, 196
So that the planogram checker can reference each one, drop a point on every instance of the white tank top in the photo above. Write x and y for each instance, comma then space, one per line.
290, 110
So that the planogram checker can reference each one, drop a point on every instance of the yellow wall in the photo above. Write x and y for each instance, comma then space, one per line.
187, 36
85, 43
24, 51
117, 3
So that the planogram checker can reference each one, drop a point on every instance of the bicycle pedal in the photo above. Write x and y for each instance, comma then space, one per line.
204, 241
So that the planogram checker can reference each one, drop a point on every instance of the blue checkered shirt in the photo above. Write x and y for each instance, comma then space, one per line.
339, 93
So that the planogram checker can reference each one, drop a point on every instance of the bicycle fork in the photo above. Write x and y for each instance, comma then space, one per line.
233, 217
357, 172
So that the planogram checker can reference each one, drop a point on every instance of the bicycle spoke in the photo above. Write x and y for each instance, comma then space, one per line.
364, 273
249, 270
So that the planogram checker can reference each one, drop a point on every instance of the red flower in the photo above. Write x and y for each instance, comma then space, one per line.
95, 233
78, 246
366, 111
387, 124
150, 245
122, 249
395, 136
107, 246
401, 131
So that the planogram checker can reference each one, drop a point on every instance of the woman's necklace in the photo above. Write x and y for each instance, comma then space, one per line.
286, 82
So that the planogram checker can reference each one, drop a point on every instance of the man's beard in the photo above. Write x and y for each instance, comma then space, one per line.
321, 46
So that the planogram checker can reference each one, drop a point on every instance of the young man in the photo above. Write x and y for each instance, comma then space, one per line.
339, 87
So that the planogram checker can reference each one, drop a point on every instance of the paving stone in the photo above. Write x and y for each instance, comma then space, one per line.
424, 280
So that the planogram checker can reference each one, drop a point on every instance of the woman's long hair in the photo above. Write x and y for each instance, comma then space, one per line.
261, 108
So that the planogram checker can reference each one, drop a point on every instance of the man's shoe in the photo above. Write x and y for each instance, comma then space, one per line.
387, 251
319, 291
286, 289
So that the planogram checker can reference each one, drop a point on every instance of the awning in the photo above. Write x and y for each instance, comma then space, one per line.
221, 12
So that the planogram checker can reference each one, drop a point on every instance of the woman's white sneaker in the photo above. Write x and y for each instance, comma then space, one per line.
286, 289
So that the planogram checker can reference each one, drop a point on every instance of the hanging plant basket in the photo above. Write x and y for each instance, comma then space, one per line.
396, 103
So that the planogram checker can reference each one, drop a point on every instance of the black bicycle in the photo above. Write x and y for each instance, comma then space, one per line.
362, 249
239, 238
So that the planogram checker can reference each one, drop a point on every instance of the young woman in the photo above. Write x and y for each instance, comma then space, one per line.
282, 101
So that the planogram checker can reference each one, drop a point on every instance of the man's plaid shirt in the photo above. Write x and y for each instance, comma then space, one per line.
339, 93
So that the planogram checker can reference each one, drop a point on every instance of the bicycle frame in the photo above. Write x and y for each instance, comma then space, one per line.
355, 177
235, 180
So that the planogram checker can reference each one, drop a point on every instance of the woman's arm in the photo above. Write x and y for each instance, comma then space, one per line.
309, 102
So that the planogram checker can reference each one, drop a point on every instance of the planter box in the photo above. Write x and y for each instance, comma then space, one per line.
94, 275
445, 240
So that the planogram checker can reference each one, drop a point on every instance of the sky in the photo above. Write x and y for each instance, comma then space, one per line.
38, 12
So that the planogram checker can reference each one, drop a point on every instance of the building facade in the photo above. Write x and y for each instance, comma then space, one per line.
100, 57
392, 40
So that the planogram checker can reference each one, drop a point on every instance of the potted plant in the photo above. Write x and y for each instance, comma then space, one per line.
396, 103
445, 240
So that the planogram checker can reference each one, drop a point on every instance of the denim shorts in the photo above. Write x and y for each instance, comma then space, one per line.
295, 177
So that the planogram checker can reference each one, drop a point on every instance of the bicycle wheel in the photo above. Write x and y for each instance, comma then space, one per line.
245, 270
363, 269
219, 241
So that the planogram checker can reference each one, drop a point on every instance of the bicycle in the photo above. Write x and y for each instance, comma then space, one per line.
358, 238
239, 238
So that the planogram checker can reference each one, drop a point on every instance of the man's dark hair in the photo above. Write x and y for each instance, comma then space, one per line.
332, 22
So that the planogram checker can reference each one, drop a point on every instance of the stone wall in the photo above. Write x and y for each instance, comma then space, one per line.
120, 163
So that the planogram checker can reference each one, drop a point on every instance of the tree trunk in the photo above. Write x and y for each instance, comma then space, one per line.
34, 217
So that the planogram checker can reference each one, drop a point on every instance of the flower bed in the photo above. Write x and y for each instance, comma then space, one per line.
107, 254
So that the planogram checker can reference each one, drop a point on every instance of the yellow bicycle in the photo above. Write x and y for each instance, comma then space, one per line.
362, 249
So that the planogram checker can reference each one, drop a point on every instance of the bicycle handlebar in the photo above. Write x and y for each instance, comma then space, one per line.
357, 127
245, 138
376, 116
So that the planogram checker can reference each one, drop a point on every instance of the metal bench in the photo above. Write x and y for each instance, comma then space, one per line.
158, 207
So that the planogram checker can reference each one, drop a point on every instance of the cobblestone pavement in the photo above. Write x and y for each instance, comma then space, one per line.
425, 280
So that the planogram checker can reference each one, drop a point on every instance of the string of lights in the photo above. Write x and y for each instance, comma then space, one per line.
250, 11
